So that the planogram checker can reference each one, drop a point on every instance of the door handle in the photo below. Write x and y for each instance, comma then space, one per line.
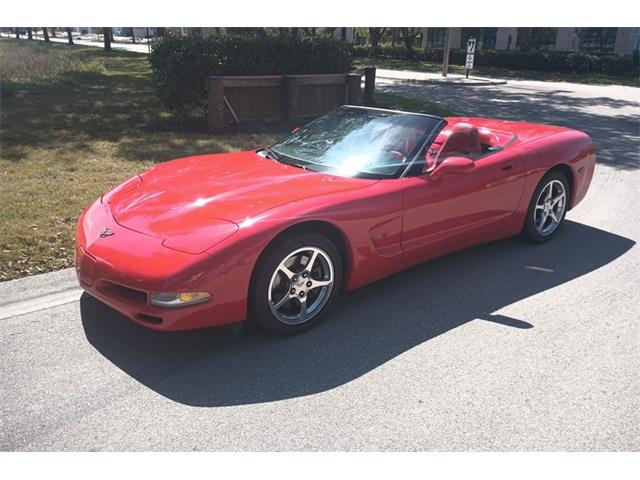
507, 167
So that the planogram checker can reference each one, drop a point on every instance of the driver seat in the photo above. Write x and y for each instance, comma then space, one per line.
464, 141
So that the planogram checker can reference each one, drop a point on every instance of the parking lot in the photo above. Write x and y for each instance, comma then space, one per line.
506, 346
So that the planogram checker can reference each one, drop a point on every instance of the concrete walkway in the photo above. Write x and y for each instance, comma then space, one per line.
130, 47
408, 76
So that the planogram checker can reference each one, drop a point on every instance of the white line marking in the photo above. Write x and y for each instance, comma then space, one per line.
40, 303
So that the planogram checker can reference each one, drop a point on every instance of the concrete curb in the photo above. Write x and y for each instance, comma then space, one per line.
38, 292
35, 286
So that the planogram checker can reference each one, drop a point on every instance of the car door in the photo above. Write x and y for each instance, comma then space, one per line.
441, 211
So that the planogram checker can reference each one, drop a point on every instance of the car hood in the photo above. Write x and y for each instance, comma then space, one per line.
187, 194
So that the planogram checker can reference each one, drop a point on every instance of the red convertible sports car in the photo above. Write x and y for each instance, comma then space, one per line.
274, 235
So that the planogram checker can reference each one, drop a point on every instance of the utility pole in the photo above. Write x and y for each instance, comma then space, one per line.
447, 47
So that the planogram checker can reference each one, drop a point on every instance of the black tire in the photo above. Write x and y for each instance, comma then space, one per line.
529, 230
260, 312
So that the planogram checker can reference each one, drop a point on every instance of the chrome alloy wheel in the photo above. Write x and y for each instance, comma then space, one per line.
301, 285
550, 207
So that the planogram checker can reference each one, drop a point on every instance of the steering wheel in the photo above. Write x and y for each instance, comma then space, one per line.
398, 155
393, 150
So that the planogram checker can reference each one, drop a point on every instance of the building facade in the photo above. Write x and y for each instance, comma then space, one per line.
622, 40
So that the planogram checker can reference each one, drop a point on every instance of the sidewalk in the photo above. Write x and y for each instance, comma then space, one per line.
407, 76
62, 38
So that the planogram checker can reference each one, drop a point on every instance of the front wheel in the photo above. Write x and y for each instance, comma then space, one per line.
295, 283
547, 208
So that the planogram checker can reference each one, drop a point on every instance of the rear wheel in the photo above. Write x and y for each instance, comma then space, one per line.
295, 283
547, 208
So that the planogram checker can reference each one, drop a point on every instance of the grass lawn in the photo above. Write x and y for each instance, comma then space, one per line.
398, 102
496, 72
76, 121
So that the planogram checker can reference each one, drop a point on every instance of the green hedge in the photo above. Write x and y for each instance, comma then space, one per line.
181, 65
549, 61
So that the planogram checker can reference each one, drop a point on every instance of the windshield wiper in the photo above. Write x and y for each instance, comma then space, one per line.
285, 159
271, 154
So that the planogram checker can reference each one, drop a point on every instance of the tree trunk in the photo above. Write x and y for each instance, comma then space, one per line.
107, 38
409, 35
375, 35
133, 35
69, 36
447, 48
45, 32
29, 33
17, 30
408, 39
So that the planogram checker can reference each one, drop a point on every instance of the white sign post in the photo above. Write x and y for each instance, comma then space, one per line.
471, 51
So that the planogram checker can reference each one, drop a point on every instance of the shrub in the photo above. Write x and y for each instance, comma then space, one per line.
181, 66
549, 61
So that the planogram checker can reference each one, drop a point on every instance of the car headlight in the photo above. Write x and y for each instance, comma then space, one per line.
182, 299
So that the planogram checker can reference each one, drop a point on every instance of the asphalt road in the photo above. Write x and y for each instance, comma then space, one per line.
506, 346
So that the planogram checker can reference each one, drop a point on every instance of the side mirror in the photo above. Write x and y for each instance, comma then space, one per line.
453, 165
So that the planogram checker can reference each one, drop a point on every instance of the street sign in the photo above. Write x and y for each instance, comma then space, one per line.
471, 46
468, 64
471, 50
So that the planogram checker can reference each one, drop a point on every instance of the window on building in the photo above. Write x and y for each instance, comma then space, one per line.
597, 39
486, 37
435, 37
536, 38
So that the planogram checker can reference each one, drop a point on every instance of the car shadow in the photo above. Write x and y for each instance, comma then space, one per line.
368, 327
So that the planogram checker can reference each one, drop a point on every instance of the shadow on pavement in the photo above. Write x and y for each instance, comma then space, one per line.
368, 327
612, 123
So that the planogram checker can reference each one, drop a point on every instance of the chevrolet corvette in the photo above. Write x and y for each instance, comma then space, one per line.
272, 236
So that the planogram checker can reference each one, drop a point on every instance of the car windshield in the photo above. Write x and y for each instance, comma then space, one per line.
357, 142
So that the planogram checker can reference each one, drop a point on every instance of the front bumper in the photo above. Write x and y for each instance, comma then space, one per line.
122, 269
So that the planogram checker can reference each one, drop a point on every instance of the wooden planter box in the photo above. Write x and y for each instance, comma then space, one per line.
279, 97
